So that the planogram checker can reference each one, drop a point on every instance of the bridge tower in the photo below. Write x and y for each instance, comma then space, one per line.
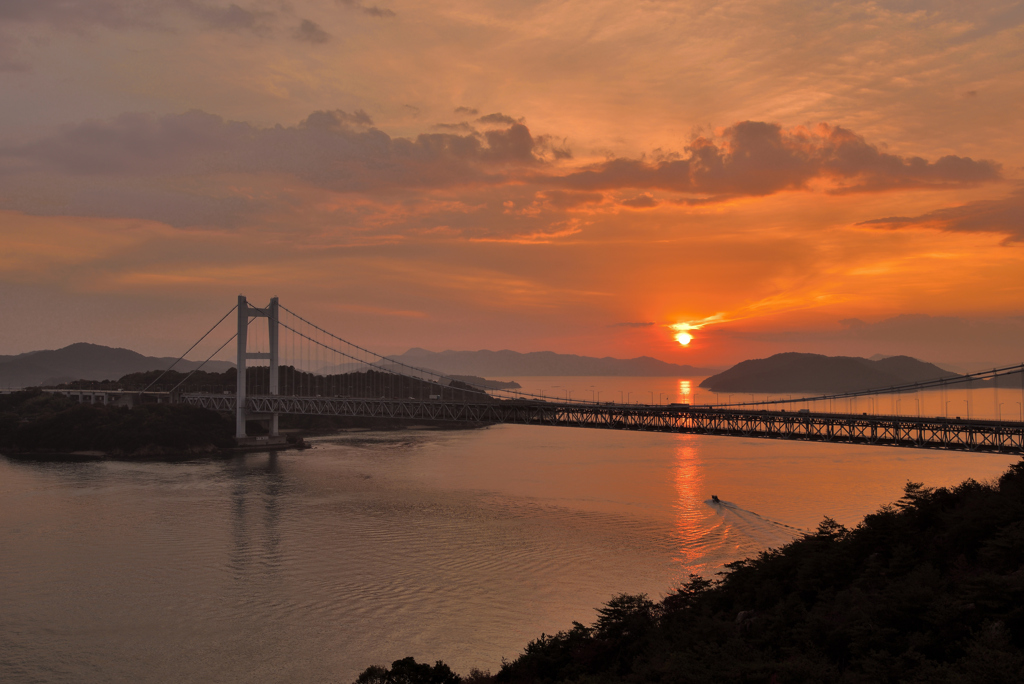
245, 312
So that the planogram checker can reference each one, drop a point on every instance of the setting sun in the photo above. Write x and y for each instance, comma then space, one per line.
684, 338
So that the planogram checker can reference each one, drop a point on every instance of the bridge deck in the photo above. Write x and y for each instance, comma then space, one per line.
902, 431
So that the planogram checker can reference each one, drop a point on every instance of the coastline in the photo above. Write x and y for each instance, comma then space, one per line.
151, 454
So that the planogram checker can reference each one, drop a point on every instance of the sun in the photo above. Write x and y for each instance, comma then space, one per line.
684, 338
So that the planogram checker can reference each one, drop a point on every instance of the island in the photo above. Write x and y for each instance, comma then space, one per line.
41, 425
506, 363
815, 373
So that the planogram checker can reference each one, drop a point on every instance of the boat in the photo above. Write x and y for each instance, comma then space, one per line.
715, 499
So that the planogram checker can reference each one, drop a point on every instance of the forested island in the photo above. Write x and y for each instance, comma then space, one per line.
38, 424
796, 372
928, 589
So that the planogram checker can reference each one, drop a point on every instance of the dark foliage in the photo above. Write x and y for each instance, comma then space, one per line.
408, 671
34, 421
291, 382
929, 589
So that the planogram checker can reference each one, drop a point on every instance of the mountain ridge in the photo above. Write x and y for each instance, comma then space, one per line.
86, 361
505, 363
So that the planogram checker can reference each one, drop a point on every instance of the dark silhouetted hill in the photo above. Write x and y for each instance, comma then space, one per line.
476, 381
34, 422
793, 372
84, 361
486, 363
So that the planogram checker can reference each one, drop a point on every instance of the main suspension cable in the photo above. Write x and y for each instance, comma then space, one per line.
190, 349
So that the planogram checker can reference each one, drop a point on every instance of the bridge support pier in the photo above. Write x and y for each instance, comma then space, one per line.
245, 312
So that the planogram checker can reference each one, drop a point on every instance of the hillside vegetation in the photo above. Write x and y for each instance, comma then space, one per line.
37, 422
929, 589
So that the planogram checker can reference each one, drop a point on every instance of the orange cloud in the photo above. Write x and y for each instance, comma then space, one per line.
756, 158
1002, 216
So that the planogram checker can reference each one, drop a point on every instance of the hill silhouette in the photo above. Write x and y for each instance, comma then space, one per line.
486, 363
84, 361
795, 372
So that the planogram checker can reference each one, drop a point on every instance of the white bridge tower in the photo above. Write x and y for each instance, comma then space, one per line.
245, 312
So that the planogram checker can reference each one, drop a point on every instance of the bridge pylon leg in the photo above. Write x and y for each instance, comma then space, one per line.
272, 328
245, 312
242, 339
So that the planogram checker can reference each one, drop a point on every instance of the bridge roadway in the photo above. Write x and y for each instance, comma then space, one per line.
900, 431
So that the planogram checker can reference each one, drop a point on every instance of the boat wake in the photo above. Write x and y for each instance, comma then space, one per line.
749, 520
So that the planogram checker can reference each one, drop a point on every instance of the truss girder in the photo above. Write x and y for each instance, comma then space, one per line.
902, 431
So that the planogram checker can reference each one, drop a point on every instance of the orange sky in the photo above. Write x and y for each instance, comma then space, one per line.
573, 176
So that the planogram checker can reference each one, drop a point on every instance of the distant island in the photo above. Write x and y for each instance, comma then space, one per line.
95, 362
39, 425
507, 363
795, 372
477, 381
84, 361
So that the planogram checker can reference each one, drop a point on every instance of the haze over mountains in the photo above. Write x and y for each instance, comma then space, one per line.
787, 372
505, 363
795, 372
84, 361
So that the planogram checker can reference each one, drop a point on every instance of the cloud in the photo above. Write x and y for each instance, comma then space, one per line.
1004, 216
121, 14
229, 18
467, 111
373, 11
336, 119
755, 158
644, 324
382, 12
197, 168
497, 118
75, 13
461, 126
562, 199
310, 32
137, 164
9, 60
549, 146
325, 148
644, 201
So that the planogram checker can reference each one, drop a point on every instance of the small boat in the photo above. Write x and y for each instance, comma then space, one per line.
715, 499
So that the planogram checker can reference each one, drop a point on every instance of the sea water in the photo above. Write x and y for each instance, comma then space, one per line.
372, 546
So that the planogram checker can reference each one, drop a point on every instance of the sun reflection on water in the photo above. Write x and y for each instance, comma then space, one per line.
691, 510
685, 388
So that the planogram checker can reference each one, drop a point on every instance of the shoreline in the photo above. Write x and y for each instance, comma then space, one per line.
147, 455
157, 454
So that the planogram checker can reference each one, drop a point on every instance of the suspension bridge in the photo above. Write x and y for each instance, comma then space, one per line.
303, 369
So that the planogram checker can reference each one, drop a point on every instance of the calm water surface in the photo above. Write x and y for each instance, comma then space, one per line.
459, 546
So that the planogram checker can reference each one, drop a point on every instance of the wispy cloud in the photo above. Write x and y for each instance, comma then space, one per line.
371, 10
1003, 216
310, 32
